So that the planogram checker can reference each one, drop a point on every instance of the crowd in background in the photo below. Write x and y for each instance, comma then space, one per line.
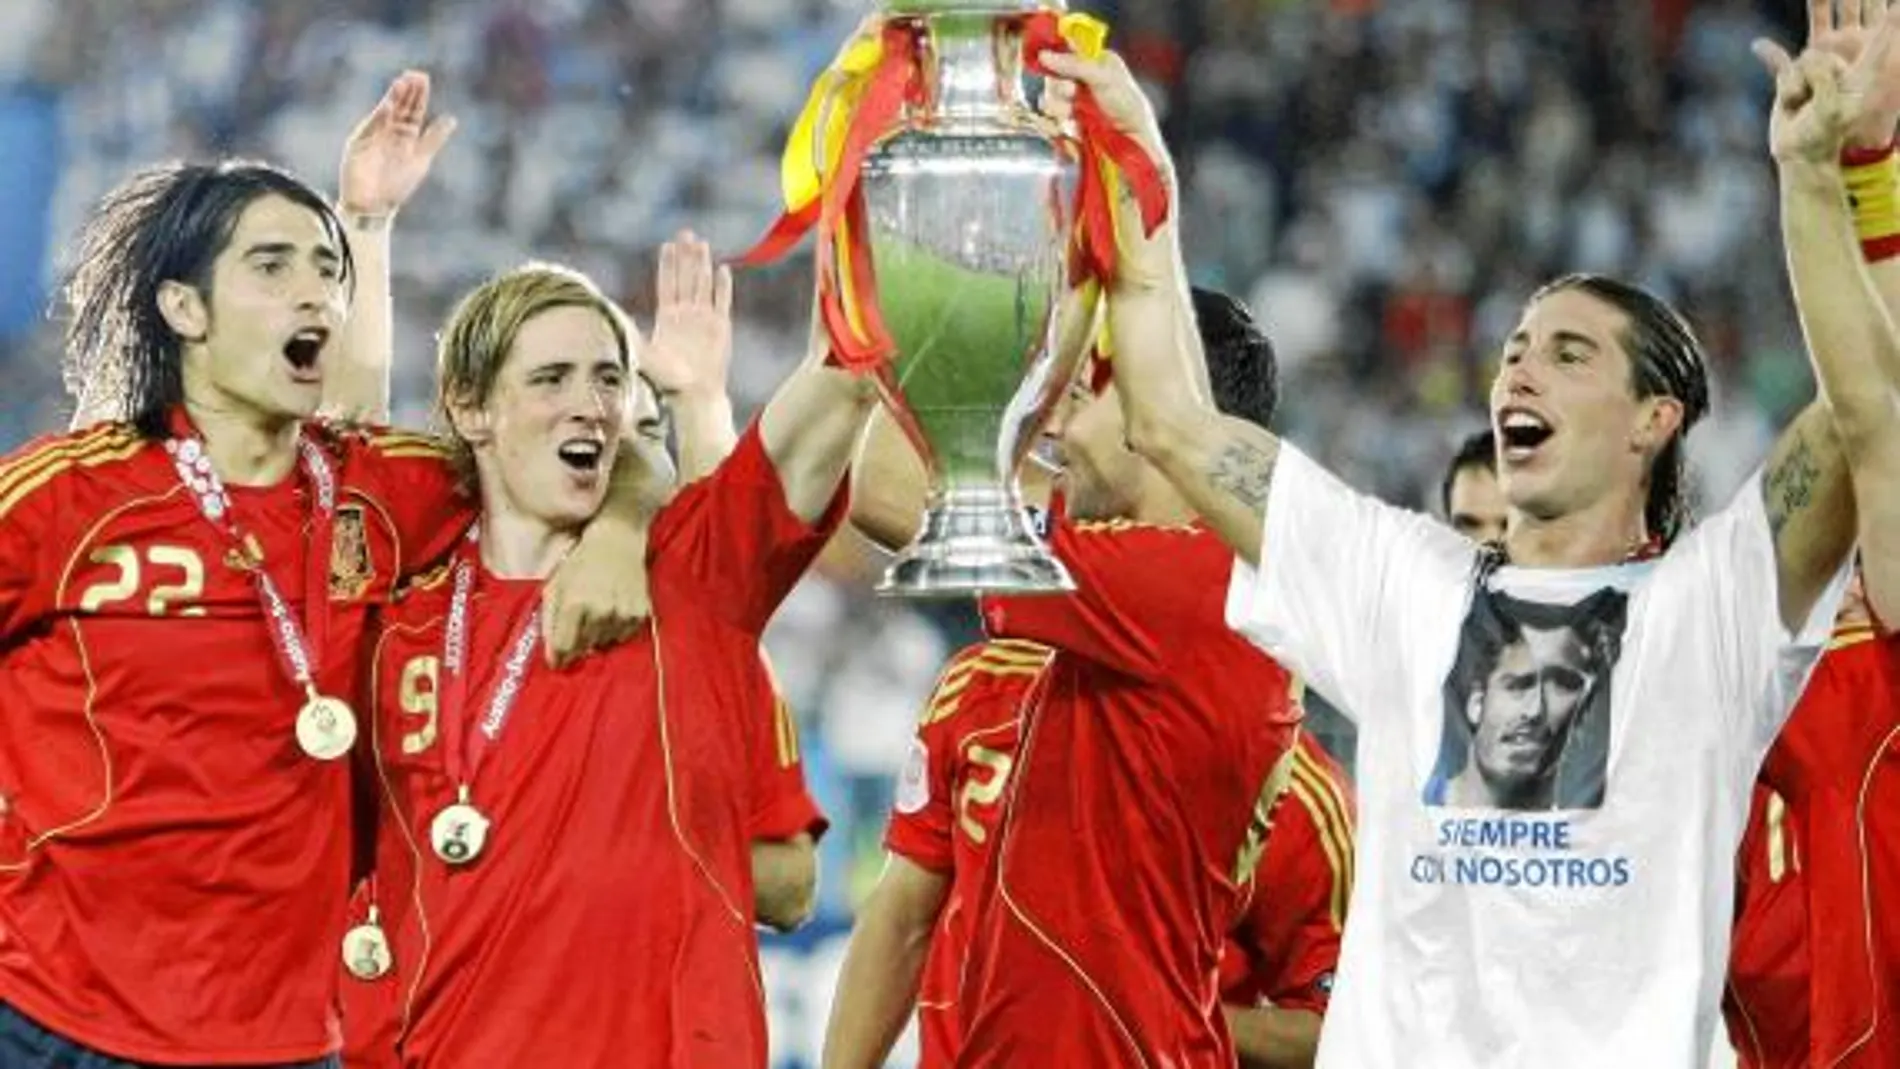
1384, 182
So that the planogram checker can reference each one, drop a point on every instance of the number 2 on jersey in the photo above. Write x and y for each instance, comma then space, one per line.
178, 574
977, 791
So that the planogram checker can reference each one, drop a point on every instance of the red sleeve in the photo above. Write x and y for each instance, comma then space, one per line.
1856, 679
26, 533
782, 806
1302, 887
1142, 593
735, 538
413, 481
923, 813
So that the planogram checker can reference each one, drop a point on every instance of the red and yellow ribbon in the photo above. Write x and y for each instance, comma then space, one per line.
858, 102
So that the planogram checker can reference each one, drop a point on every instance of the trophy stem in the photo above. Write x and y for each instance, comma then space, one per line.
976, 540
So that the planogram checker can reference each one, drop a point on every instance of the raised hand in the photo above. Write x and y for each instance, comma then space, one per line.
1846, 32
691, 347
1114, 88
1812, 108
391, 150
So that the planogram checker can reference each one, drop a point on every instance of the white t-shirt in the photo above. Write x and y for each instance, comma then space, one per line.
1548, 809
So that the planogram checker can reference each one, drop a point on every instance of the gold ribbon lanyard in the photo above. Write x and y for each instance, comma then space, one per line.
460, 830
326, 728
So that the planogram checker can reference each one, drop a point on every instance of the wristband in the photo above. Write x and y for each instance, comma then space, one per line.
1872, 177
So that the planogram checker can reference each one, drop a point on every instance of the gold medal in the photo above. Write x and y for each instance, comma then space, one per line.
366, 951
326, 729
459, 832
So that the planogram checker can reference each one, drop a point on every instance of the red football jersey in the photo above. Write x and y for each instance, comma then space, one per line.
1286, 948
1837, 763
174, 871
1769, 971
608, 920
1131, 827
783, 806
948, 801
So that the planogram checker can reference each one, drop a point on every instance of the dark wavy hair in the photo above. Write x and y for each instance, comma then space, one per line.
1666, 360
1241, 367
167, 223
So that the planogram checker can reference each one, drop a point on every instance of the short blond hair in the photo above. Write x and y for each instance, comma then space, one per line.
475, 341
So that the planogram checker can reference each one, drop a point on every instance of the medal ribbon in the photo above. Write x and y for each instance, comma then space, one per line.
296, 644
465, 750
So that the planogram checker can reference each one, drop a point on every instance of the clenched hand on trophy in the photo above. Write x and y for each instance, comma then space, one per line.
963, 237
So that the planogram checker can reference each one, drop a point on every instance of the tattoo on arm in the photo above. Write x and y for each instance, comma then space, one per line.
1790, 486
1244, 471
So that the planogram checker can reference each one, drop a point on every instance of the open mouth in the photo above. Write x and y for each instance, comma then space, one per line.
1521, 432
582, 455
304, 348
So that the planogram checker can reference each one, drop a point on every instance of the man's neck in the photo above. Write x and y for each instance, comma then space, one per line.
518, 547
244, 449
1604, 535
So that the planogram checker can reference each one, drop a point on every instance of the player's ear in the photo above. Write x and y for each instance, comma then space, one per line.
1474, 707
184, 309
470, 419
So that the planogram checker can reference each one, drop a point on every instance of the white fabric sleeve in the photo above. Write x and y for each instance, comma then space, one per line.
1737, 578
1347, 586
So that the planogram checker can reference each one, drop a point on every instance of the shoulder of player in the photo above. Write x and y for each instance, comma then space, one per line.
982, 675
1135, 529
1318, 796
353, 441
78, 462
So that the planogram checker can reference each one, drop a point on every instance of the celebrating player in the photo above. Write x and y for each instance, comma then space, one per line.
912, 934
1814, 973
1124, 854
565, 872
1484, 935
183, 592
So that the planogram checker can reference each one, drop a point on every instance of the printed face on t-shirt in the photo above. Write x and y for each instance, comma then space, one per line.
1527, 705
1526, 708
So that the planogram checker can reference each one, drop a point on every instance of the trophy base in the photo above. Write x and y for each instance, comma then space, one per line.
976, 543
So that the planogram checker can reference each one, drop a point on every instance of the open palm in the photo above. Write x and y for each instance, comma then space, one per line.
691, 347
1848, 30
391, 150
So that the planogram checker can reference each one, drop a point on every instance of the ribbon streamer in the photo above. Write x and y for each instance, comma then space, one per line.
858, 102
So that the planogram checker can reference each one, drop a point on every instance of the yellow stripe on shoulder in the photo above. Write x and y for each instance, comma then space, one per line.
1851, 635
25, 484
1320, 794
34, 458
1123, 526
405, 441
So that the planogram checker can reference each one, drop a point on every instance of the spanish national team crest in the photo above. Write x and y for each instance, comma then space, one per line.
350, 567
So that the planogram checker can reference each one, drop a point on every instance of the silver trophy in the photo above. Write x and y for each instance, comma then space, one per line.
969, 207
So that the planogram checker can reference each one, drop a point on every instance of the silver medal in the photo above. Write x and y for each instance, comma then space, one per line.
326, 729
366, 952
458, 833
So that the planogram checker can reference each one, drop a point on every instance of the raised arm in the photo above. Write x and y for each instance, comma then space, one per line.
812, 424
1873, 178
1823, 466
385, 160
689, 357
1223, 466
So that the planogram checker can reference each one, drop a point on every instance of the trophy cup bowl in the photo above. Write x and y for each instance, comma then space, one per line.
969, 215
